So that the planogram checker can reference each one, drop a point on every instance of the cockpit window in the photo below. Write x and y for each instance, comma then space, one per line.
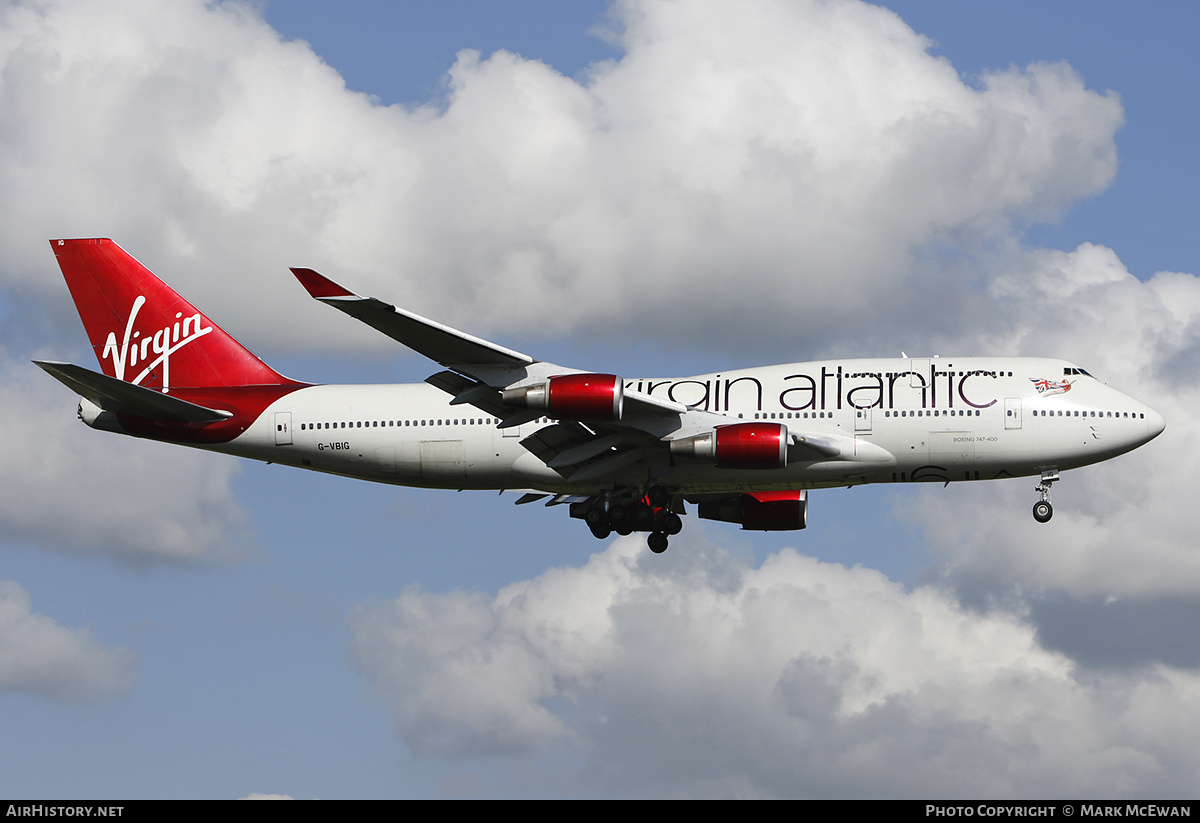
1068, 370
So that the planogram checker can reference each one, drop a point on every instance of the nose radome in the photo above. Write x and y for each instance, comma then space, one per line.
1154, 424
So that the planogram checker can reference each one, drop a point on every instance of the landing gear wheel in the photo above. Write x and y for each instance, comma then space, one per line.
1042, 511
596, 517
601, 531
642, 516
658, 496
657, 542
622, 523
672, 523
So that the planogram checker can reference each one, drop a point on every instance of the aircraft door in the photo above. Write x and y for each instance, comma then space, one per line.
862, 421
1012, 413
918, 368
283, 428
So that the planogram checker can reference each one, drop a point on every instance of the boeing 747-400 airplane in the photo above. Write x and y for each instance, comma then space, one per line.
742, 446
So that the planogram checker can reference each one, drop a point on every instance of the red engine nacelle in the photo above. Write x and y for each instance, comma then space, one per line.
573, 396
738, 446
760, 511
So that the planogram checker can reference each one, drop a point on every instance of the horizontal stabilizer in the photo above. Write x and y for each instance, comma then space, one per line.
119, 397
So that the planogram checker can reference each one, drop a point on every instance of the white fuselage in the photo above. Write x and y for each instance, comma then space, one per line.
888, 420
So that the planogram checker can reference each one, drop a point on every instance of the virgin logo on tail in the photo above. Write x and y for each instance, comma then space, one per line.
164, 342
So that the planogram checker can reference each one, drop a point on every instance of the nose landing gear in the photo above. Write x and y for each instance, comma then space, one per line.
1042, 510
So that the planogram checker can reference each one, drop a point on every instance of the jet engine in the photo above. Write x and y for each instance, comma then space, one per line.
760, 511
738, 446
573, 397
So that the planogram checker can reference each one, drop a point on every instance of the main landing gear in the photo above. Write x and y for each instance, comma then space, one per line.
648, 513
1042, 510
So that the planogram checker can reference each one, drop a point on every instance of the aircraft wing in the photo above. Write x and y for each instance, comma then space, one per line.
488, 365
439, 343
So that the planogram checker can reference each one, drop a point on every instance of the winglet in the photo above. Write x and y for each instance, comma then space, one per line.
320, 286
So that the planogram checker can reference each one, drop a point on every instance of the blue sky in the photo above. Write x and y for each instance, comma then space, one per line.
316, 637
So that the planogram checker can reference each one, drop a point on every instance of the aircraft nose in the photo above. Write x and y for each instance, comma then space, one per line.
1154, 424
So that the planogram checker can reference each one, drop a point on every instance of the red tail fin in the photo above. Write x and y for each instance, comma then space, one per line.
143, 332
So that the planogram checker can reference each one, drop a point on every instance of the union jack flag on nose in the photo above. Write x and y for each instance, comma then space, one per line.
1045, 386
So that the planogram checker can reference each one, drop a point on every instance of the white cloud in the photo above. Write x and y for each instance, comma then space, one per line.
38, 656
771, 159
694, 674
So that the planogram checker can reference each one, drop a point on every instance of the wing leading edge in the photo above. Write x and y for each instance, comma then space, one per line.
442, 344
